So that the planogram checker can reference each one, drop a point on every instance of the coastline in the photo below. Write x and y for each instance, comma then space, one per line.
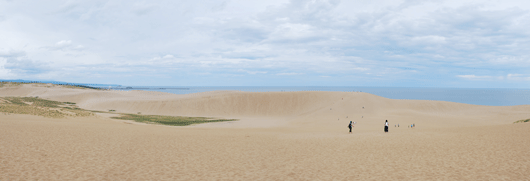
278, 135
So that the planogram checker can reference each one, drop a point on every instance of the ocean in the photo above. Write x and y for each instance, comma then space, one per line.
488, 97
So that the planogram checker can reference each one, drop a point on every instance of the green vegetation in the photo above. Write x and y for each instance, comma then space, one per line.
15, 84
522, 121
55, 109
33, 101
40, 107
169, 120
9, 84
97, 111
78, 86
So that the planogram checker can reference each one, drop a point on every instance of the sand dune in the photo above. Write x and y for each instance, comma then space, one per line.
293, 108
280, 136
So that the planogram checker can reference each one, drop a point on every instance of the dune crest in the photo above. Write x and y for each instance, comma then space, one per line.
323, 109
279, 136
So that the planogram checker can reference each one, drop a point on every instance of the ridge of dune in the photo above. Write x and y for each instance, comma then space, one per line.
285, 136
298, 108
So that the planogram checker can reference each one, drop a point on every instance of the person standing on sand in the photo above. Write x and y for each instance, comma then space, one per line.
350, 126
386, 126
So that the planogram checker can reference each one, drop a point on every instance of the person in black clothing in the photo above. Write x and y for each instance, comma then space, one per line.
350, 126
386, 126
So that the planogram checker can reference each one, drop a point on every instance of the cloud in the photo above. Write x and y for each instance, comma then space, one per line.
288, 31
4, 73
6, 57
430, 39
10, 53
26, 67
142, 9
168, 56
290, 73
484, 77
65, 45
163, 58
378, 41
518, 77
252, 72
509, 77
473, 77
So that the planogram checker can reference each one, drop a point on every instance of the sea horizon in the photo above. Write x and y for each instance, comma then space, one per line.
475, 96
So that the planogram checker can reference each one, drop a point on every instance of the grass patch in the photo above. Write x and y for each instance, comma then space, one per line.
40, 107
522, 121
94, 111
9, 84
169, 120
49, 85
55, 109
33, 101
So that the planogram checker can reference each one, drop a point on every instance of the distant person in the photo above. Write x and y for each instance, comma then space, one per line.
350, 126
398, 125
413, 125
386, 126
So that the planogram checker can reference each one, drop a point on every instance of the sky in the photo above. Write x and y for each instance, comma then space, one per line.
383, 43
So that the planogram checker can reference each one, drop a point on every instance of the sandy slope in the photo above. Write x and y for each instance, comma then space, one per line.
281, 135
325, 110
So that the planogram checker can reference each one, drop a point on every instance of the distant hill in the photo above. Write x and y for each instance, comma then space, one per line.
59, 83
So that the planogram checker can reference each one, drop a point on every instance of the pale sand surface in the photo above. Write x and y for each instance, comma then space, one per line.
280, 136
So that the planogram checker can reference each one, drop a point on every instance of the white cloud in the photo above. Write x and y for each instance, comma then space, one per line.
290, 73
430, 39
290, 31
168, 56
10, 53
483, 77
252, 72
142, 8
350, 40
165, 57
473, 77
518, 77
65, 45
4, 73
